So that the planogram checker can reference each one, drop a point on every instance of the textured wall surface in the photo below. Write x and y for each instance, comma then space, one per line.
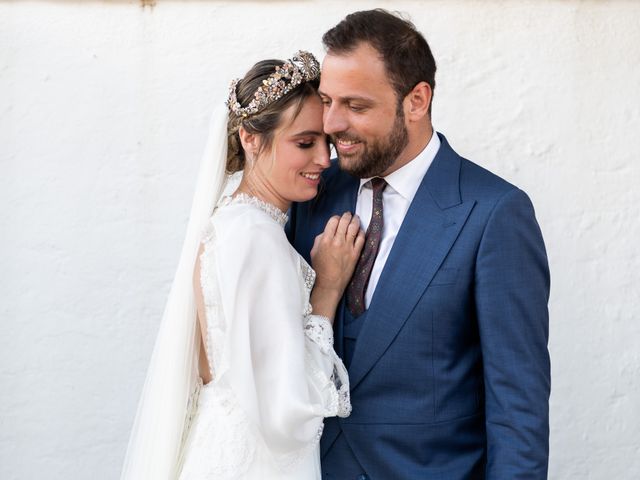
103, 114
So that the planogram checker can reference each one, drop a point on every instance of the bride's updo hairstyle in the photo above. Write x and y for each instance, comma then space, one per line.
257, 101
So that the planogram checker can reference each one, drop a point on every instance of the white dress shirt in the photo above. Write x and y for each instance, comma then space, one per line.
402, 186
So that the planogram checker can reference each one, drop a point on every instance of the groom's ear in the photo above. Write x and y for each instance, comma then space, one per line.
417, 102
250, 142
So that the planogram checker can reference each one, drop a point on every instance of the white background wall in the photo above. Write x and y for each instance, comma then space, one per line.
103, 113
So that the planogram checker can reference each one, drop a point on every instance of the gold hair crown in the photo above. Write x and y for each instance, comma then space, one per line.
303, 67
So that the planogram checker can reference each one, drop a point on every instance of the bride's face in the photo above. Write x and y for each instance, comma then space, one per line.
298, 155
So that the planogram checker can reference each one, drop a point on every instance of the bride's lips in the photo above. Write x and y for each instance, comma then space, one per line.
347, 147
312, 178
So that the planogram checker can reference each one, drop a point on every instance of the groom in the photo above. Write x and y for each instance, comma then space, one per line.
444, 326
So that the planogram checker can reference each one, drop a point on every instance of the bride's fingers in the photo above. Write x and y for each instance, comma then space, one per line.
356, 220
331, 226
359, 243
345, 220
316, 243
353, 229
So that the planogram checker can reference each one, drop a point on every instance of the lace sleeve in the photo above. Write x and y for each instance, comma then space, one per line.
327, 367
319, 330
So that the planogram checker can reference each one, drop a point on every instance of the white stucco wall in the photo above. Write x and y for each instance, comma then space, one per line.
103, 111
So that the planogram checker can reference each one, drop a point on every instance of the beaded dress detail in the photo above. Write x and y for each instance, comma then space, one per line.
275, 373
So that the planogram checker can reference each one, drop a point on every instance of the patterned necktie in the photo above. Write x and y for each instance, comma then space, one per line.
358, 286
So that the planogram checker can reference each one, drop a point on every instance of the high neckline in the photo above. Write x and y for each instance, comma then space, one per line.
274, 212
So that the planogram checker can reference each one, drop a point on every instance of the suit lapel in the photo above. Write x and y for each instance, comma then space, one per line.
430, 228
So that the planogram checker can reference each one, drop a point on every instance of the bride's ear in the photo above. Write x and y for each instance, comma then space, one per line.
250, 142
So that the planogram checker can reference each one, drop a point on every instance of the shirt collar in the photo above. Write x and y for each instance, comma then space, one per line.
406, 180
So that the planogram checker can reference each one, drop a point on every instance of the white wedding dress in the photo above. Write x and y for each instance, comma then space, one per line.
275, 373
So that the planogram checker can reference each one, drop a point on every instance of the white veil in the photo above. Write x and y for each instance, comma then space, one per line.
156, 436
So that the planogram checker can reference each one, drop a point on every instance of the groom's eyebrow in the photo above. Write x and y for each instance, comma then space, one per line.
350, 98
357, 99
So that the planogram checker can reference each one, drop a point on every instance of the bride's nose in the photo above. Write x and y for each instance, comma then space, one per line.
322, 155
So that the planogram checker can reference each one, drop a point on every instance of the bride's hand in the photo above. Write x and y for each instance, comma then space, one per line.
334, 256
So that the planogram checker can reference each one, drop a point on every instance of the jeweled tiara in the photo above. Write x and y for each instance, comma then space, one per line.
303, 67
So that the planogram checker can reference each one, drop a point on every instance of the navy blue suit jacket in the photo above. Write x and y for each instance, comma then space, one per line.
450, 376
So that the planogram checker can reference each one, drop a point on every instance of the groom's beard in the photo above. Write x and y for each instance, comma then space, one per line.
378, 155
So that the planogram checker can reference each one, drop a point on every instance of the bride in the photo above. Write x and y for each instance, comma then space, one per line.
243, 371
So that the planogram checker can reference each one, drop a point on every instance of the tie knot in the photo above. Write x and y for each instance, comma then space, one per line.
378, 185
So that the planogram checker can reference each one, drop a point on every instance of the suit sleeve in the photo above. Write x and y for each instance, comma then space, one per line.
512, 293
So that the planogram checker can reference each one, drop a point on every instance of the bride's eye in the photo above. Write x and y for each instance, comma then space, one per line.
305, 144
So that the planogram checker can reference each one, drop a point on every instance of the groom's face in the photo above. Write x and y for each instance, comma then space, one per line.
362, 113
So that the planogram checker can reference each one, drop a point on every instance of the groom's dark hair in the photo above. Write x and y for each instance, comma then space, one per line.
404, 51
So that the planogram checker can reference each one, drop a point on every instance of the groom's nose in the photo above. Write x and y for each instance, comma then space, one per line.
335, 120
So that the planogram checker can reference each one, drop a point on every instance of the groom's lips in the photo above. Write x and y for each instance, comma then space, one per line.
347, 147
